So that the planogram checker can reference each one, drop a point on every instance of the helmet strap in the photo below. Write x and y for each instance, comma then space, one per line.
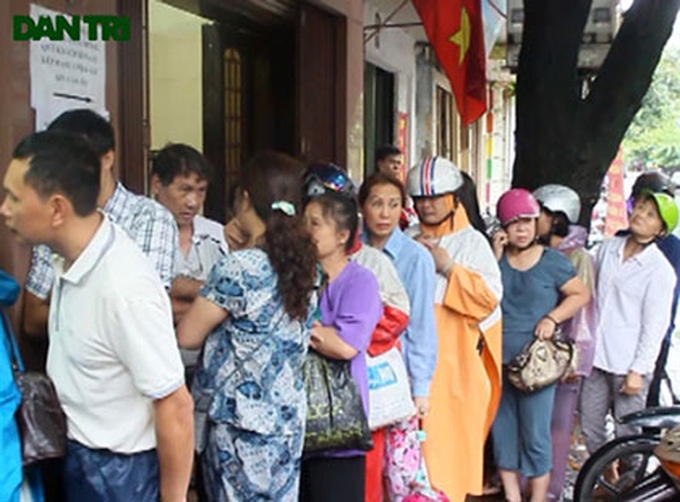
446, 224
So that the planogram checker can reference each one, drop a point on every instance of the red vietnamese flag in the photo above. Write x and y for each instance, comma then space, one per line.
455, 30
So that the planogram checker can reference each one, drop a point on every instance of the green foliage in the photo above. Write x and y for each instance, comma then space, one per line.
653, 138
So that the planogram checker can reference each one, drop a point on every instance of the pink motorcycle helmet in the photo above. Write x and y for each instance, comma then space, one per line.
517, 203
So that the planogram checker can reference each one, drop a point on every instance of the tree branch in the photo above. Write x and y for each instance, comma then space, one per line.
625, 76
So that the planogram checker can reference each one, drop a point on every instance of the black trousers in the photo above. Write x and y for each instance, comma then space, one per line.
332, 479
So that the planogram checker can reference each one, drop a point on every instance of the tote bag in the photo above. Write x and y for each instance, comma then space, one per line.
389, 390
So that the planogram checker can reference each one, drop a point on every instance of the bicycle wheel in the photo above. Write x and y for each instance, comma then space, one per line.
634, 452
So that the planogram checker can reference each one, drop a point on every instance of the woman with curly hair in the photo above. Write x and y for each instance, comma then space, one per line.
254, 315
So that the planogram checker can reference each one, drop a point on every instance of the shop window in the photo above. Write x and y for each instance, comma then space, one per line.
444, 123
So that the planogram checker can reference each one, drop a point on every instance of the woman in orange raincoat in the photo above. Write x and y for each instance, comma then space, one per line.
466, 388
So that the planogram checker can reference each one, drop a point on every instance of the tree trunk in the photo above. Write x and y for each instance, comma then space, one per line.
563, 137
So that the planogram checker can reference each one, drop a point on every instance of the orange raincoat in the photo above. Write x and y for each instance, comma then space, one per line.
467, 383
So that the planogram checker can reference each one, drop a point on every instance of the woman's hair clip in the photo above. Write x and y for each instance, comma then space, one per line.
284, 206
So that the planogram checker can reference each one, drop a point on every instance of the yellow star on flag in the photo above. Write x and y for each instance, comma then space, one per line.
462, 37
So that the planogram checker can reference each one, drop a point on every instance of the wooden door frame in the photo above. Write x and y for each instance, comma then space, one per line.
340, 88
133, 142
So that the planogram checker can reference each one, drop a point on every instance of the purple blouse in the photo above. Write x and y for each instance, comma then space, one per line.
352, 305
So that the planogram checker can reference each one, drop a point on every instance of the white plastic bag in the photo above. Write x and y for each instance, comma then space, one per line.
389, 391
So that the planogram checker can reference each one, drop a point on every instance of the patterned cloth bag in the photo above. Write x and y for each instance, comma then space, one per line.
405, 471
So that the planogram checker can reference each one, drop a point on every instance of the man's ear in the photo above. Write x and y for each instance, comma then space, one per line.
107, 161
245, 200
155, 185
344, 236
455, 201
61, 209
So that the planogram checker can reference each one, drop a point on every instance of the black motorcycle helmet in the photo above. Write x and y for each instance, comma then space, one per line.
655, 182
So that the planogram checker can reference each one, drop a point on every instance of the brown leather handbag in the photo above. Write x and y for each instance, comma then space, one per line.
41, 421
541, 363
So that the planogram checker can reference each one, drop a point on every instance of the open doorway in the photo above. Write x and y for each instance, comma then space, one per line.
378, 112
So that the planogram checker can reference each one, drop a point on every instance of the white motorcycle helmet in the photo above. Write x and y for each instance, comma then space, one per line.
557, 198
433, 176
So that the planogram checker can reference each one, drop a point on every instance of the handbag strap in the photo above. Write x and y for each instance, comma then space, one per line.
15, 355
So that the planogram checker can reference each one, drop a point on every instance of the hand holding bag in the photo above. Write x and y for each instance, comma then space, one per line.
541, 363
42, 423
335, 414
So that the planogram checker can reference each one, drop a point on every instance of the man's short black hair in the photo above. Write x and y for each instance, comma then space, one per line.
180, 160
386, 151
89, 124
61, 163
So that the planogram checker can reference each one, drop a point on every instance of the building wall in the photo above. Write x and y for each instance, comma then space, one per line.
424, 108
393, 51
18, 119
484, 149
352, 10
496, 176
175, 73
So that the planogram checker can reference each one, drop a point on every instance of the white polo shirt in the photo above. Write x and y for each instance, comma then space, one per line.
112, 344
634, 299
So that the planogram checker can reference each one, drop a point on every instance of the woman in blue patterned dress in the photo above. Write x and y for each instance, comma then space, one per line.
254, 314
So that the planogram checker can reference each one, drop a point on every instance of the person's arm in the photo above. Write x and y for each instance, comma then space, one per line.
185, 288
183, 293
174, 422
421, 334
36, 306
35, 314
575, 296
198, 322
655, 316
140, 332
474, 286
158, 238
326, 341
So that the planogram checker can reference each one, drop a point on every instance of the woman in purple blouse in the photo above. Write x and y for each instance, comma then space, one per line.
350, 309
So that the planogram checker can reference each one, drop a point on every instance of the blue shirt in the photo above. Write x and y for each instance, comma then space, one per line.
670, 247
528, 295
416, 270
10, 398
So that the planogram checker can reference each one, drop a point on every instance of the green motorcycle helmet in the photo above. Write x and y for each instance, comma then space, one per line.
668, 210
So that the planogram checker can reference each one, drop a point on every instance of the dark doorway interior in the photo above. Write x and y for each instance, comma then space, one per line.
248, 101
378, 112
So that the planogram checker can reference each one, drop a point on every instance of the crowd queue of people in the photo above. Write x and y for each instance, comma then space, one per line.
145, 299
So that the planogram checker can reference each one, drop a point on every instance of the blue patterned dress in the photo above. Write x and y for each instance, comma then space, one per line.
250, 386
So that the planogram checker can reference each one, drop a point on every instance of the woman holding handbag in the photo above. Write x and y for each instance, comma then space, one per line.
541, 291
382, 198
254, 314
350, 307
558, 228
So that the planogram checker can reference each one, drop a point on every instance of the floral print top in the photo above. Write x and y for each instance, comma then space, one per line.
251, 366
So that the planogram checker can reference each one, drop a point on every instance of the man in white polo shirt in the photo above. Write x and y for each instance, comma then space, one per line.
112, 353
145, 221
